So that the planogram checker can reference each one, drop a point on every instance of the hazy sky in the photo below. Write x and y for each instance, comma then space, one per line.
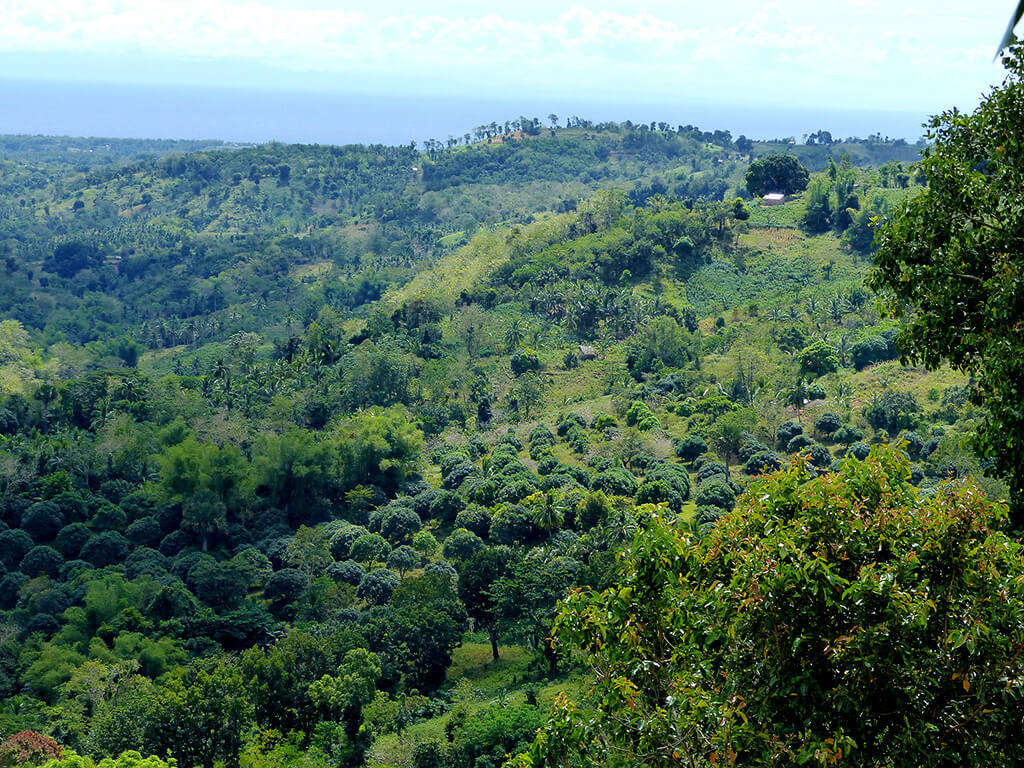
897, 54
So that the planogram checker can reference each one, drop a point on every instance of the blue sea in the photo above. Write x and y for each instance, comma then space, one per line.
241, 115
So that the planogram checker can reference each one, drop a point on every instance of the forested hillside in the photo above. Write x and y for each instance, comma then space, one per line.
302, 446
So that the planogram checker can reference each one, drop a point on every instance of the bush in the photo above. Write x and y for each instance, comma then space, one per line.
14, 545
399, 524
512, 525
285, 587
616, 481
871, 350
859, 450
445, 506
798, 444
347, 572
762, 462
712, 469
474, 519
369, 548
818, 358
109, 518
343, 538
144, 532
716, 493
787, 431
828, 424
10, 588
820, 456
42, 521
524, 360
403, 558
848, 434
776, 173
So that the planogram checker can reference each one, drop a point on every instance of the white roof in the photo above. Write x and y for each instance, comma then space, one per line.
775, 196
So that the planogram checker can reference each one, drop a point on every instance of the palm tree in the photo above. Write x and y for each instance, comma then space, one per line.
513, 335
547, 513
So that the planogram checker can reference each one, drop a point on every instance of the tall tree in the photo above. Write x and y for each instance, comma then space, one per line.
950, 262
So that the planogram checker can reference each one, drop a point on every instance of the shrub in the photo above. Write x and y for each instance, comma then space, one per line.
716, 493
399, 524
787, 431
474, 519
616, 481
859, 450
42, 521
828, 424
763, 461
818, 358
524, 360
871, 350
347, 572
14, 545
106, 549
847, 434
798, 443
144, 532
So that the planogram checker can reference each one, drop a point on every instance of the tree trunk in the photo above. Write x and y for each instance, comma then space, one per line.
494, 644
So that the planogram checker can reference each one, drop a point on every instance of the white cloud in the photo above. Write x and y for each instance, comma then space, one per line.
806, 48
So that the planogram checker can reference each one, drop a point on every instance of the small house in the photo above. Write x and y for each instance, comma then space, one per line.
773, 198
587, 352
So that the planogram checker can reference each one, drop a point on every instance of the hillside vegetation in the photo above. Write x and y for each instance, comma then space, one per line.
302, 446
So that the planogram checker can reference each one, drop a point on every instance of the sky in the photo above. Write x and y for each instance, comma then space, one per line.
899, 55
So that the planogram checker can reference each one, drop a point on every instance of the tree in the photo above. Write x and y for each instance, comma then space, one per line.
662, 343
477, 577
461, 544
29, 748
130, 759
376, 588
201, 715
949, 261
838, 620
818, 216
776, 173
403, 559
425, 624
369, 548
294, 472
525, 599
730, 431
818, 358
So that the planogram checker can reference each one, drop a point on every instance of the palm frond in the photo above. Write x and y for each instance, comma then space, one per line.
1008, 36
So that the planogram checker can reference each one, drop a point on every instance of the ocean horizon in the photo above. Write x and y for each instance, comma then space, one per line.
313, 117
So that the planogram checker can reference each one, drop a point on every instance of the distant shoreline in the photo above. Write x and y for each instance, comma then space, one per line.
53, 108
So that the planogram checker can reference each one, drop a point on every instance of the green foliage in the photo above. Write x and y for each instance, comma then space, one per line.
949, 263
863, 652
776, 173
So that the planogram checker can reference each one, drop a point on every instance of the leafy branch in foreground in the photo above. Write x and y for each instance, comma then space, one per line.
832, 620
